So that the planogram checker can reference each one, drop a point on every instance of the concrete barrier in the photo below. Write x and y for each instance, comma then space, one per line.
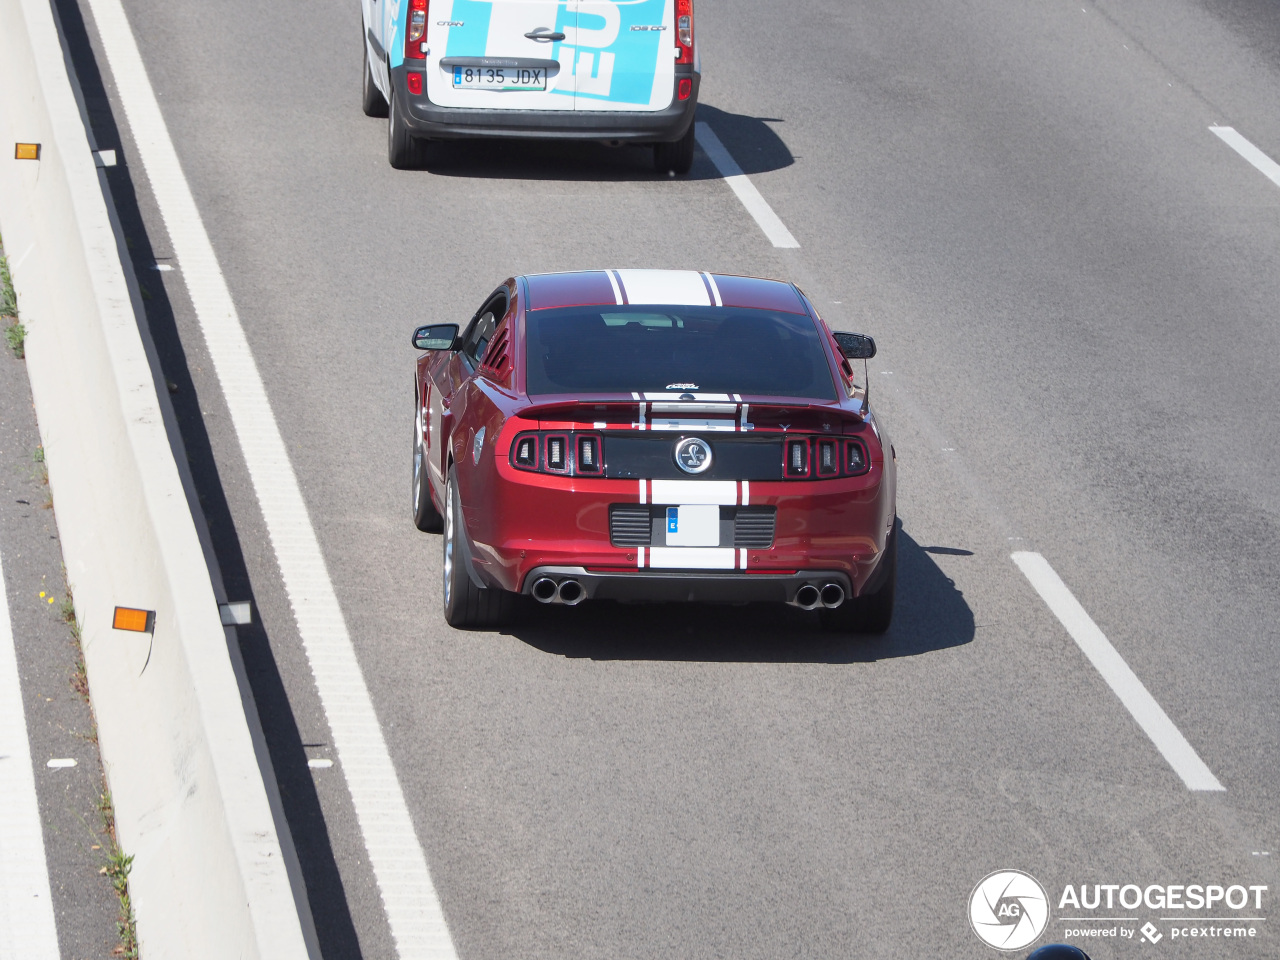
175, 722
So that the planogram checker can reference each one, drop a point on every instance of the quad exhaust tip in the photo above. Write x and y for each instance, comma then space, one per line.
832, 595
544, 590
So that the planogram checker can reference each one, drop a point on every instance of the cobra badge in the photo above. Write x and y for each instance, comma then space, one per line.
693, 455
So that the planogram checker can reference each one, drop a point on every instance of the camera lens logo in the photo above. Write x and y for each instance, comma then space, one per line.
1008, 909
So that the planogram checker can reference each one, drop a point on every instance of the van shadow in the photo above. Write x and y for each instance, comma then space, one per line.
751, 141
929, 614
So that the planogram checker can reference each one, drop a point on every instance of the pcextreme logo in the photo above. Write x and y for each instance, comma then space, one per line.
1008, 909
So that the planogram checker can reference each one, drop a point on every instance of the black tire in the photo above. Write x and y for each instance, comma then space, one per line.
425, 515
371, 98
467, 606
404, 150
675, 157
872, 612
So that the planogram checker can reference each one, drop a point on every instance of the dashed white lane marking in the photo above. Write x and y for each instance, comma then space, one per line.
319, 764
746, 191
1265, 165
399, 867
26, 906
1123, 681
59, 763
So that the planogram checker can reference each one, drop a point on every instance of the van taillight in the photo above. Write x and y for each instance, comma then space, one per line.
416, 31
684, 31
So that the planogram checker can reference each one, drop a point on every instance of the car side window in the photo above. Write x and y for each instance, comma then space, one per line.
481, 332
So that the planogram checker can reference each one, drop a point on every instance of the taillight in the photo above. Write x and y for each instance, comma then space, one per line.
684, 88
557, 454
588, 455
818, 458
527, 452
828, 458
572, 454
414, 82
855, 457
684, 32
416, 31
797, 464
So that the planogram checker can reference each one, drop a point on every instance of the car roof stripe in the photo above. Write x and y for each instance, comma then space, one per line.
665, 287
616, 282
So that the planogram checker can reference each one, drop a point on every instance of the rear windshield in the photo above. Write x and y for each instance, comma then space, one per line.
646, 348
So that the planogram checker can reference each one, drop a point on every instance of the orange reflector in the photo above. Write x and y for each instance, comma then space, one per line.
139, 621
26, 151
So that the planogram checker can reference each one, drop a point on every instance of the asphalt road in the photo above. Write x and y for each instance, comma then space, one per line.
1073, 283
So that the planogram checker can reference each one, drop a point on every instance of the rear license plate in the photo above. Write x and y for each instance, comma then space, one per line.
500, 78
693, 526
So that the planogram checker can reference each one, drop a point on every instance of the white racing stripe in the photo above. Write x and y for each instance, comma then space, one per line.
707, 426
715, 291
666, 287
408, 896
613, 282
745, 190
692, 558
681, 492
1265, 165
26, 906
1172, 745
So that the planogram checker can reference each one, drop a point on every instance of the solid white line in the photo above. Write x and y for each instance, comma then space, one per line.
1268, 167
739, 183
1123, 681
399, 867
26, 905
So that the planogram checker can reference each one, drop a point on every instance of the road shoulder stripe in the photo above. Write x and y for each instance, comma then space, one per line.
408, 896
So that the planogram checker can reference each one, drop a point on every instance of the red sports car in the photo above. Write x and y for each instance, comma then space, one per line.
653, 435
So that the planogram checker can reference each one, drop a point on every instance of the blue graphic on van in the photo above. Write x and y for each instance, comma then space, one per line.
610, 60
473, 39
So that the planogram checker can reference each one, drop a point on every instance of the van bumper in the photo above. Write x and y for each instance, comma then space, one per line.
433, 122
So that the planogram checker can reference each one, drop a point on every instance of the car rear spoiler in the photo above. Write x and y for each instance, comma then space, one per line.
747, 415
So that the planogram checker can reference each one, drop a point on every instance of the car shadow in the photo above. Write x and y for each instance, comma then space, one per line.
751, 141
929, 614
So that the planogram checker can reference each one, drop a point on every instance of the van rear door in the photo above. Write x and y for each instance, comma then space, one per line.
623, 54
500, 54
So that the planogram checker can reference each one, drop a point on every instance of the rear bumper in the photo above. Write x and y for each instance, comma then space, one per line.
701, 587
826, 531
434, 122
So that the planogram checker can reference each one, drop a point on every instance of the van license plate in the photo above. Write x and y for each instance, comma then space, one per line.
500, 78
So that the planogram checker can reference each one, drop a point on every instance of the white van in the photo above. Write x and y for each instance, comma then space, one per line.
606, 70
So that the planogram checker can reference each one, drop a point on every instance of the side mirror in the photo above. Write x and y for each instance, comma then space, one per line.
438, 336
856, 346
